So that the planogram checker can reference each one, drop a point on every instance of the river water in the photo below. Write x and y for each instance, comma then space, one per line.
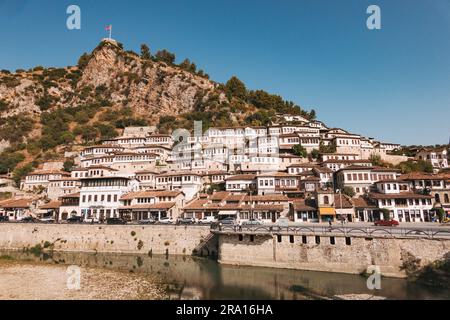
199, 278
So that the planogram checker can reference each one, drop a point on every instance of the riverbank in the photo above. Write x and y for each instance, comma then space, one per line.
195, 278
29, 280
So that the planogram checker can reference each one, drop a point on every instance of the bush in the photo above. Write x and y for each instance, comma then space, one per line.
107, 131
15, 128
9, 161
20, 173
349, 191
165, 56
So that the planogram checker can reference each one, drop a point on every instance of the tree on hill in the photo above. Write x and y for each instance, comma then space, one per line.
300, 151
165, 56
68, 165
236, 88
315, 154
145, 52
415, 166
84, 60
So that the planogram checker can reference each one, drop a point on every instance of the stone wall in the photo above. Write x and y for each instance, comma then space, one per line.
157, 239
391, 255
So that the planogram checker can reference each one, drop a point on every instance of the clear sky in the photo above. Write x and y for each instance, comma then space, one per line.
392, 84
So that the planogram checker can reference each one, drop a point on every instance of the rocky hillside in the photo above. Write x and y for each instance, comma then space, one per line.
45, 111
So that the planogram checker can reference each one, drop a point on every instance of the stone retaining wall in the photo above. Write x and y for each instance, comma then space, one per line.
391, 255
157, 239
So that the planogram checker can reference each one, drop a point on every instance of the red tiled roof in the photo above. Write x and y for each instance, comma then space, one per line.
155, 206
150, 194
242, 177
51, 205
402, 195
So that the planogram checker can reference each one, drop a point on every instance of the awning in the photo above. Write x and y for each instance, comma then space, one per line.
327, 211
223, 213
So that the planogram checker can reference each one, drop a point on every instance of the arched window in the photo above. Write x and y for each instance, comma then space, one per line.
437, 198
326, 200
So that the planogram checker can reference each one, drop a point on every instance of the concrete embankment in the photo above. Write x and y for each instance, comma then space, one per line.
152, 239
395, 257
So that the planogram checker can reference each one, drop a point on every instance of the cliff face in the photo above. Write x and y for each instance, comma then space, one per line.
148, 87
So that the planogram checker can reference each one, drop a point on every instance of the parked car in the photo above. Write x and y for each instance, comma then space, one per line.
165, 220
186, 221
228, 221
387, 223
208, 220
4, 218
26, 220
116, 221
147, 221
91, 220
47, 220
251, 222
75, 219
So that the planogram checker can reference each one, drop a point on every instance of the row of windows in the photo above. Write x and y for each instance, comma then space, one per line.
411, 202
177, 179
365, 177
101, 198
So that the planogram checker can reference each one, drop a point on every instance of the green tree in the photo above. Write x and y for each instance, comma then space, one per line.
9, 161
20, 173
386, 214
348, 191
236, 88
375, 159
300, 151
315, 154
165, 56
68, 165
107, 131
82, 117
145, 52
89, 133
83, 60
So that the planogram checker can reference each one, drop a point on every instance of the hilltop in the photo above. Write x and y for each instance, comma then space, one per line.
47, 111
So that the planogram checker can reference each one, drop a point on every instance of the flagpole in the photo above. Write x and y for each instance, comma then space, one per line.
110, 32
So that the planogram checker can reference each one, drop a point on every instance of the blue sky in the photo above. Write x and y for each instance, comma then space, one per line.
391, 84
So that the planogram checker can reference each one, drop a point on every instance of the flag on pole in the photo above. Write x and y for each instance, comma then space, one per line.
109, 28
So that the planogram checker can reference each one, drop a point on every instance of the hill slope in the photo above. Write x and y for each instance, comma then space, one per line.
44, 112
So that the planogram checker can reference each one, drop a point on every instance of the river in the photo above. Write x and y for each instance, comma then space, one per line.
185, 277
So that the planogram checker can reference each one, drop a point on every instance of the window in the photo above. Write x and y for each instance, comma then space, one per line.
332, 241
326, 200
279, 238
317, 239
348, 241
252, 238
291, 239
304, 240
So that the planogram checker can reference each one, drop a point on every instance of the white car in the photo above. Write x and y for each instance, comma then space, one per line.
208, 220
91, 220
166, 220
47, 220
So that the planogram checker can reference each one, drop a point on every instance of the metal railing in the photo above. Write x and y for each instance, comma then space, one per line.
367, 232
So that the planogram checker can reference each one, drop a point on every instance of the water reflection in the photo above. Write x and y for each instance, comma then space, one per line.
197, 278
